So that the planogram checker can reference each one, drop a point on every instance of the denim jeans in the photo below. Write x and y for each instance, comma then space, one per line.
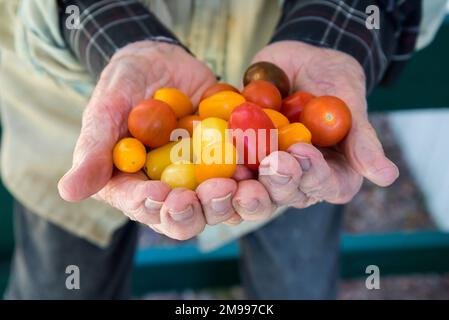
296, 256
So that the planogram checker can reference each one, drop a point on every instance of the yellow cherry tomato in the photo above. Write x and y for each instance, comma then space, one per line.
176, 99
220, 105
218, 160
180, 175
278, 119
293, 133
129, 155
209, 131
158, 159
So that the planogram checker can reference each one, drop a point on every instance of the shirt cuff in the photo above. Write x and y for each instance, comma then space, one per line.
106, 26
342, 26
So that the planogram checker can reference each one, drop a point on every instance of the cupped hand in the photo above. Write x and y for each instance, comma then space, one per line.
134, 73
305, 174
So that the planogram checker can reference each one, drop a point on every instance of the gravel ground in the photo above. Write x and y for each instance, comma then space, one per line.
374, 209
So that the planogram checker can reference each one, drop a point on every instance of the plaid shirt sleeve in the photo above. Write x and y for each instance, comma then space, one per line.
341, 25
108, 25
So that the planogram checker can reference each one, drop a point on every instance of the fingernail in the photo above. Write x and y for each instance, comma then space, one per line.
304, 162
153, 205
280, 179
182, 216
250, 206
221, 205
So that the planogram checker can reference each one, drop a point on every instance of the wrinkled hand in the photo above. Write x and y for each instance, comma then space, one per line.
308, 175
133, 74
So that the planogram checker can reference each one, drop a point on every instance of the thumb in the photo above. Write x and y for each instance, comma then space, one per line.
366, 156
92, 167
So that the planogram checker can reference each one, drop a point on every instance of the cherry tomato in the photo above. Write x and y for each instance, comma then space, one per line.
294, 104
328, 118
176, 99
218, 160
269, 72
220, 105
293, 133
279, 120
187, 122
218, 87
129, 155
152, 122
180, 175
208, 132
263, 93
158, 159
253, 140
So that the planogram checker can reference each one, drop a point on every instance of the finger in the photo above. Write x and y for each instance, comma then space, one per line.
252, 202
365, 154
181, 215
215, 196
139, 198
331, 178
234, 220
243, 173
280, 174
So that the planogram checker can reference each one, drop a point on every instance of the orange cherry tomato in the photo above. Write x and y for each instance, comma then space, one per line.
328, 118
263, 93
294, 104
220, 105
129, 155
187, 122
218, 160
218, 87
152, 122
279, 120
176, 99
293, 133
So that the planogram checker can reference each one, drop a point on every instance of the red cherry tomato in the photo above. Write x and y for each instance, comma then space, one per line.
328, 118
152, 122
263, 93
253, 140
218, 87
294, 104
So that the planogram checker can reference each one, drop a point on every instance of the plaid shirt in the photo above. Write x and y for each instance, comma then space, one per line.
108, 25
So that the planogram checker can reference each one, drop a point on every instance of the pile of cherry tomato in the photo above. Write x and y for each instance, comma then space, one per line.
205, 149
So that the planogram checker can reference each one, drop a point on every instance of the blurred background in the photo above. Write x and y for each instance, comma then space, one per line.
403, 229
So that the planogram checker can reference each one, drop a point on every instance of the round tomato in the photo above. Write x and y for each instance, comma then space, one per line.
218, 160
209, 131
269, 72
252, 132
129, 155
263, 93
188, 122
152, 122
180, 175
328, 118
176, 99
220, 105
293, 133
218, 87
279, 120
294, 104
160, 158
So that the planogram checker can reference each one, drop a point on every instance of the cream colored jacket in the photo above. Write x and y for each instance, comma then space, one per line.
44, 90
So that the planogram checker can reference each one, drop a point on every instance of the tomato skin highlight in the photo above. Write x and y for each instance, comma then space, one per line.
294, 104
251, 116
329, 120
152, 122
270, 72
264, 94
218, 87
